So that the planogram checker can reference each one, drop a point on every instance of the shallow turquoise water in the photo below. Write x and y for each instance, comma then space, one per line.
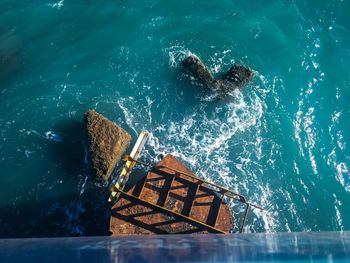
283, 142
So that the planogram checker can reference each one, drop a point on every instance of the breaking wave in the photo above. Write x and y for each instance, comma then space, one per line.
220, 141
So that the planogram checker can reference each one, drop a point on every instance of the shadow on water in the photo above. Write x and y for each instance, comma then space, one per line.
75, 207
69, 150
71, 215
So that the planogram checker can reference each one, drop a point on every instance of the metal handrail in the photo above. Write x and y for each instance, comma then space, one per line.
223, 191
124, 175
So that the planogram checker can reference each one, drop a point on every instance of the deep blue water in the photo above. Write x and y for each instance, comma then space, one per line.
283, 141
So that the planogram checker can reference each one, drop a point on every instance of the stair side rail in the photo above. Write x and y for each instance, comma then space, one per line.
129, 165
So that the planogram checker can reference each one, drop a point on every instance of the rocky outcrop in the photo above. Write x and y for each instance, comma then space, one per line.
106, 142
196, 69
236, 77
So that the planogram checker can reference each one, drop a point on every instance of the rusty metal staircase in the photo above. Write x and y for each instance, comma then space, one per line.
172, 190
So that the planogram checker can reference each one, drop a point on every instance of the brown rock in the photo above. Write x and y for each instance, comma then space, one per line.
107, 142
236, 77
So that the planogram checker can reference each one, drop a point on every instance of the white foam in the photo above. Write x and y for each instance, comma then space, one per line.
51, 135
341, 170
203, 140
58, 5
221, 141
337, 204
127, 114
176, 54
48, 135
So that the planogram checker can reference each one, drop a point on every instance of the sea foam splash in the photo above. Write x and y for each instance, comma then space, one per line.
205, 138
58, 5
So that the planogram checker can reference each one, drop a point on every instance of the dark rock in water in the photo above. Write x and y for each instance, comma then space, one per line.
107, 142
196, 69
236, 77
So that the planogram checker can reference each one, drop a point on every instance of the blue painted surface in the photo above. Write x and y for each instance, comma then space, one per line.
288, 247
283, 142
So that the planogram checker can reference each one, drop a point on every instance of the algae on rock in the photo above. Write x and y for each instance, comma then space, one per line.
106, 143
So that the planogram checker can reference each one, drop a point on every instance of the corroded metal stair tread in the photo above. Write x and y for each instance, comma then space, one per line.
165, 201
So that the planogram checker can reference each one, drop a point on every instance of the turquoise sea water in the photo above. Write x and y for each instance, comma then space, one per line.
283, 142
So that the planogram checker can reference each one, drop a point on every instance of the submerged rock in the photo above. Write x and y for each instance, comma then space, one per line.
107, 142
236, 77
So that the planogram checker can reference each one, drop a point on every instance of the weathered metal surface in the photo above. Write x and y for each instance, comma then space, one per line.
177, 193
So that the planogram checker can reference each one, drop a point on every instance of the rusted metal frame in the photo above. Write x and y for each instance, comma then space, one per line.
245, 202
256, 206
221, 191
244, 218
173, 213
128, 158
241, 197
